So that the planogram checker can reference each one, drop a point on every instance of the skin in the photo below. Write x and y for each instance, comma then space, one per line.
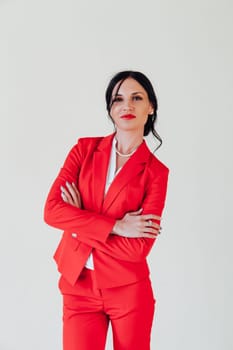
132, 99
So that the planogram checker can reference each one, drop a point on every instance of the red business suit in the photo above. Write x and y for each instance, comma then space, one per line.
141, 183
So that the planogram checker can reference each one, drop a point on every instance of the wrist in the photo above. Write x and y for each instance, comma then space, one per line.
116, 228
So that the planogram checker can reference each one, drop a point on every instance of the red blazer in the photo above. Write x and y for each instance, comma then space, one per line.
141, 183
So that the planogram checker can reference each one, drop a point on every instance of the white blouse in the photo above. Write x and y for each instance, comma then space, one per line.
110, 177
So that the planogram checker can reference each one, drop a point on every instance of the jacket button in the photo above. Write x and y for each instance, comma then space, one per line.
74, 235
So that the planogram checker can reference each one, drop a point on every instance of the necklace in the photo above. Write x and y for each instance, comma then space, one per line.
125, 155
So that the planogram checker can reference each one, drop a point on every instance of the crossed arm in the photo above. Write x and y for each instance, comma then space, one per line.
132, 237
132, 225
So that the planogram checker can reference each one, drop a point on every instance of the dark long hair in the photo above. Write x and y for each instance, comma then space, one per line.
146, 84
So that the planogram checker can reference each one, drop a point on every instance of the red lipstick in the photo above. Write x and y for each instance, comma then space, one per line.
128, 116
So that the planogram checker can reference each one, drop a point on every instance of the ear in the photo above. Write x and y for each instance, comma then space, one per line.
151, 110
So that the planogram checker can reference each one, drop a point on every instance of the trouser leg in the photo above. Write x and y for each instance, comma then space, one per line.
132, 316
85, 323
84, 326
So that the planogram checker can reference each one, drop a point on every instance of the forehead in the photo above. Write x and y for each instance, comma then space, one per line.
129, 85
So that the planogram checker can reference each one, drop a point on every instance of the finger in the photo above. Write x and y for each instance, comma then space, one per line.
63, 196
67, 195
75, 188
77, 192
150, 223
155, 225
72, 193
151, 230
148, 235
150, 217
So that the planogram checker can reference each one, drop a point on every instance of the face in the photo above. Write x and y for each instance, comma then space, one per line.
131, 106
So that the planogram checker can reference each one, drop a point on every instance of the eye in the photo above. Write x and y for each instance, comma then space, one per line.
137, 98
117, 99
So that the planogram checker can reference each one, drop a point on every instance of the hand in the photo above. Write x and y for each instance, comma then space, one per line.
135, 225
70, 194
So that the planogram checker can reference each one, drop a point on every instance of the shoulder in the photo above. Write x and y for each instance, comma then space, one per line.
86, 145
89, 141
83, 146
158, 172
155, 162
156, 167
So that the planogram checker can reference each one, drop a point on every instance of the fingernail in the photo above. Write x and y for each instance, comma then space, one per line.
67, 183
62, 188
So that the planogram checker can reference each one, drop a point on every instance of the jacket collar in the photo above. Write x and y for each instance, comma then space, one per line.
132, 167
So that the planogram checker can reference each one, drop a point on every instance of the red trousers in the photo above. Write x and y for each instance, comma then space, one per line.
88, 310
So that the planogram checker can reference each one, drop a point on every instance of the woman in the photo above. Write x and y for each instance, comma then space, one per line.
108, 198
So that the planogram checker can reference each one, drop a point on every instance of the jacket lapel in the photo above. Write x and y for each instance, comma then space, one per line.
100, 167
132, 168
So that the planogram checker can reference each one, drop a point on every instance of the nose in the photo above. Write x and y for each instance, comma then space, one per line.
128, 105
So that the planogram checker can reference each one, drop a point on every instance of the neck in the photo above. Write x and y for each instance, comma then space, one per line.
128, 141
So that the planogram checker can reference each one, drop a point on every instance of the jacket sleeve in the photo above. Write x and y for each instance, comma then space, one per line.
135, 249
63, 216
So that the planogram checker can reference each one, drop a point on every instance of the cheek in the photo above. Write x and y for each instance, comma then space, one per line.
114, 111
145, 120
146, 113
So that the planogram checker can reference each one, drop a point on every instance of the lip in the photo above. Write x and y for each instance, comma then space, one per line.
128, 116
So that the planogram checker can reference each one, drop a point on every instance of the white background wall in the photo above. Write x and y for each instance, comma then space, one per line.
56, 58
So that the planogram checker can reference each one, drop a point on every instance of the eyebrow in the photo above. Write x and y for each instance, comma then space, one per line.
133, 93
